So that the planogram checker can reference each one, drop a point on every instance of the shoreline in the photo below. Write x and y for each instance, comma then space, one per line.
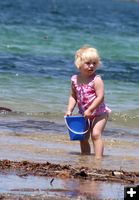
40, 149
25, 168
52, 172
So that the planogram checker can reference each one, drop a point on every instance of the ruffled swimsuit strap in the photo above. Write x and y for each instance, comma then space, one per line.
74, 80
96, 77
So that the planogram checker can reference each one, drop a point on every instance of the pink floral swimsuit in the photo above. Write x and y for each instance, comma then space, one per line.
86, 95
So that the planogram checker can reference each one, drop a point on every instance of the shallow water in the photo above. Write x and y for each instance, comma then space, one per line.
62, 187
39, 140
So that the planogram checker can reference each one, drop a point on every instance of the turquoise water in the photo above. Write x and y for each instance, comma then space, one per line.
37, 45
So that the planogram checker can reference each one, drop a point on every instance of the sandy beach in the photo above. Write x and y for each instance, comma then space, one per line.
47, 165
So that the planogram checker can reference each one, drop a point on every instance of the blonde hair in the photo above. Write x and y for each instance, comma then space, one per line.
86, 54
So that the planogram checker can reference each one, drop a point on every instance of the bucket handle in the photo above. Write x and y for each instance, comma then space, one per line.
80, 133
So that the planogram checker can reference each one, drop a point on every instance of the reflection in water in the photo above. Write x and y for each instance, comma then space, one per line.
68, 187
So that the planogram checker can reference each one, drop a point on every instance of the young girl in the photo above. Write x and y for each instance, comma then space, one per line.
87, 90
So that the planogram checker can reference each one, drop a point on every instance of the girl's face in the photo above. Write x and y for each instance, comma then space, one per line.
88, 68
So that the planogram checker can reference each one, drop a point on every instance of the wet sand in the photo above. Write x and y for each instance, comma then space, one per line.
121, 153
25, 168
84, 182
43, 149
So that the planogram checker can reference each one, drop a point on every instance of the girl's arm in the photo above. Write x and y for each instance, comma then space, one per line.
99, 89
72, 102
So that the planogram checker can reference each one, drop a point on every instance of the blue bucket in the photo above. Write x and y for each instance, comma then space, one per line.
77, 126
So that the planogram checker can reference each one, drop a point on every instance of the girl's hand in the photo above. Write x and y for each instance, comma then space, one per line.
68, 113
88, 113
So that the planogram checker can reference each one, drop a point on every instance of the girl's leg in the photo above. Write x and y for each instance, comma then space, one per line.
97, 129
84, 144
